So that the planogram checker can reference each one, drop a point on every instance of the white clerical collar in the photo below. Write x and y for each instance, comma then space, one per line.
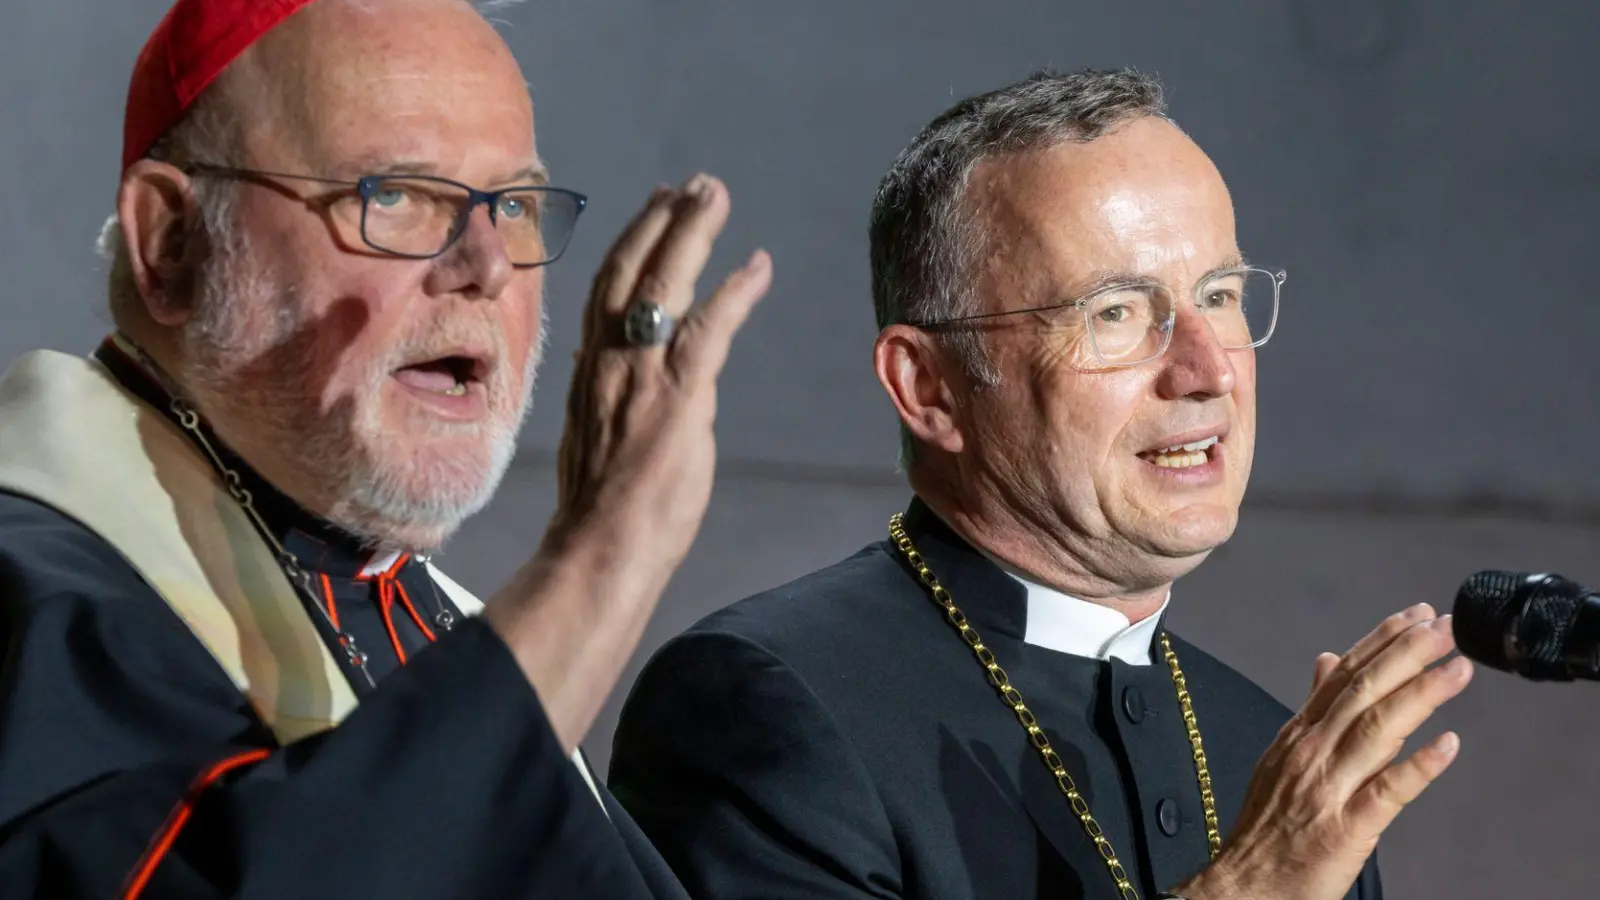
1061, 622
381, 563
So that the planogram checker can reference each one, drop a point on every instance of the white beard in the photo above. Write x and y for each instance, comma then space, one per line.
250, 366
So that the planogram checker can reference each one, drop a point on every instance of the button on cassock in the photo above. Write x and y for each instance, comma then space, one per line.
1169, 817
1133, 704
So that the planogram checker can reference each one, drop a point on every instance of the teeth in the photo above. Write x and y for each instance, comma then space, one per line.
1184, 456
1168, 460
1205, 444
459, 390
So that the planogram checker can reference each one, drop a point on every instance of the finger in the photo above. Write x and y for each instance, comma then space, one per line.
1389, 629
1324, 667
1358, 656
627, 256
661, 197
1376, 736
669, 276
703, 347
1381, 799
1396, 666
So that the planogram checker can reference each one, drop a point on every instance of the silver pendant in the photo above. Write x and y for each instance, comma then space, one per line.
445, 619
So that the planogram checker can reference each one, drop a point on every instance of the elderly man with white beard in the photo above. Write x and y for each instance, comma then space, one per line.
229, 668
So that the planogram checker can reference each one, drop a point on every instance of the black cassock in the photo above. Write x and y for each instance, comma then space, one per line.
835, 738
130, 762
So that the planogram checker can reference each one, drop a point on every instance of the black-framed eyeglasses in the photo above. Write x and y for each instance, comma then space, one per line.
421, 216
1129, 323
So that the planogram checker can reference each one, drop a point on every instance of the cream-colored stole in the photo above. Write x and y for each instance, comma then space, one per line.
71, 437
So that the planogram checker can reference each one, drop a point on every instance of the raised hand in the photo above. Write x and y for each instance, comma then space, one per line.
637, 456
1328, 787
638, 453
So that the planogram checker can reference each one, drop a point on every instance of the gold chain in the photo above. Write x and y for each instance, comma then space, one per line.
1036, 735
1202, 771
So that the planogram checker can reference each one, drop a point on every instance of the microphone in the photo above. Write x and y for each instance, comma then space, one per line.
1540, 626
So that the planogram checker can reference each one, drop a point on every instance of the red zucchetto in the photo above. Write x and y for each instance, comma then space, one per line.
196, 41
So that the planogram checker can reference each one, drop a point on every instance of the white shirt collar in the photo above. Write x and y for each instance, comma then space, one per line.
1064, 623
380, 564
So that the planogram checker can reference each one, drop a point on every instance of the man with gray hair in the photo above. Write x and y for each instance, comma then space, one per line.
988, 703
228, 667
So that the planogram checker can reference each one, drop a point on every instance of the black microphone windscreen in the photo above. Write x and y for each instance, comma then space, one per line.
1485, 606
1517, 622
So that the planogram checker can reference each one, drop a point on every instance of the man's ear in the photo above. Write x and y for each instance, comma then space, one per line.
160, 223
913, 370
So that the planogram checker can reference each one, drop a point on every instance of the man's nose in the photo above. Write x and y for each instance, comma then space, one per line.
1196, 363
477, 264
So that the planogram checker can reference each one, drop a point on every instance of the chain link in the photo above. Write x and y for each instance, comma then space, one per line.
1037, 737
1202, 771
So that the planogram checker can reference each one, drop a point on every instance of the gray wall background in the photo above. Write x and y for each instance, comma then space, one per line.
1425, 169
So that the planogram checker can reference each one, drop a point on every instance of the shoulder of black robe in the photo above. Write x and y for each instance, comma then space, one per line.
834, 738
124, 747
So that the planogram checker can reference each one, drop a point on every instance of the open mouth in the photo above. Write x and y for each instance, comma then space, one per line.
1186, 455
450, 376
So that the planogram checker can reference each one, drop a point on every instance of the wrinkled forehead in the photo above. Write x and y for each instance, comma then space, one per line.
436, 86
1143, 200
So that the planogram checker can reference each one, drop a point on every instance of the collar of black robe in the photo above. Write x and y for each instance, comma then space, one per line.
995, 603
316, 543
992, 601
